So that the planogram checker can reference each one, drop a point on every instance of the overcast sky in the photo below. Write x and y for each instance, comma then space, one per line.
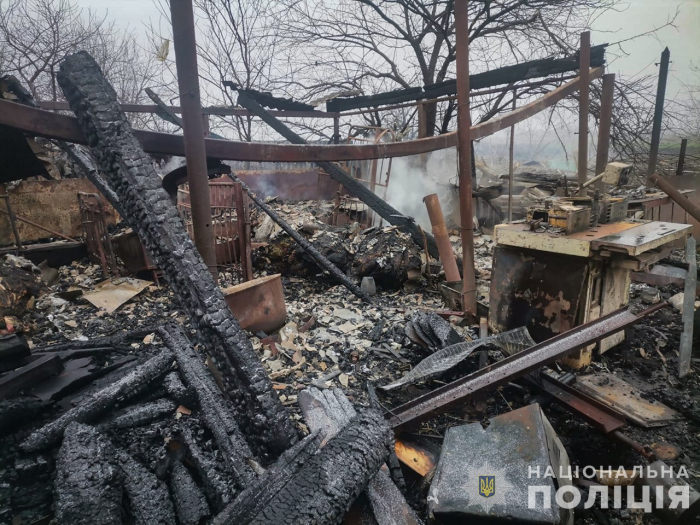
638, 16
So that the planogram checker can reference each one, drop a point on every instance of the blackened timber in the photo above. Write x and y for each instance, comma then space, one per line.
322, 261
387, 212
139, 415
218, 487
129, 385
252, 500
13, 347
150, 212
179, 392
325, 487
190, 503
88, 484
149, 500
215, 410
29, 375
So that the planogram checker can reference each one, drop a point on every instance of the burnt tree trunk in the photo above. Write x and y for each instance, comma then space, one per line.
88, 484
150, 212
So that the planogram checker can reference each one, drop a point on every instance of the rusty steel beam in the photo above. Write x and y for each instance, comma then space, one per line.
603, 146
437, 221
515, 366
676, 196
182, 16
217, 111
464, 148
583, 101
511, 170
63, 127
658, 111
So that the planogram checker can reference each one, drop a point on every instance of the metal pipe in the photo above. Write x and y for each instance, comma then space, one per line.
437, 221
676, 196
13, 221
606, 105
511, 173
658, 111
583, 101
32, 223
465, 158
681, 157
182, 17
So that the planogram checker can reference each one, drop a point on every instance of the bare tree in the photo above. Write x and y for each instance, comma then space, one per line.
36, 35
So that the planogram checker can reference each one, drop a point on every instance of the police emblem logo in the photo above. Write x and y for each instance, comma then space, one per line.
487, 486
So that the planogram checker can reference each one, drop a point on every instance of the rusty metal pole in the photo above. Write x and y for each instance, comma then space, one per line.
465, 158
511, 173
584, 69
681, 157
336, 130
437, 221
182, 17
658, 111
680, 199
603, 148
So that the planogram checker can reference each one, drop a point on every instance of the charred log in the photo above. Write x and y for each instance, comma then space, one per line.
179, 392
251, 501
212, 405
139, 415
88, 486
325, 487
190, 502
218, 487
149, 500
149, 211
128, 386
19, 410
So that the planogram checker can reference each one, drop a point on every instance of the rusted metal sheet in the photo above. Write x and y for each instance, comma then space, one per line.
258, 305
51, 204
99, 244
529, 288
63, 127
515, 366
613, 391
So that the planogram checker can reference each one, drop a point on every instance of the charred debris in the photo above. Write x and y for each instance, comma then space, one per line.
328, 368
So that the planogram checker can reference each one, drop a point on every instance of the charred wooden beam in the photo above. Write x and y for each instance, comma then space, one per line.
150, 212
149, 500
190, 503
88, 485
128, 386
29, 375
13, 347
251, 501
19, 410
214, 409
110, 341
218, 487
139, 415
387, 212
325, 487
322, 261
179, 392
